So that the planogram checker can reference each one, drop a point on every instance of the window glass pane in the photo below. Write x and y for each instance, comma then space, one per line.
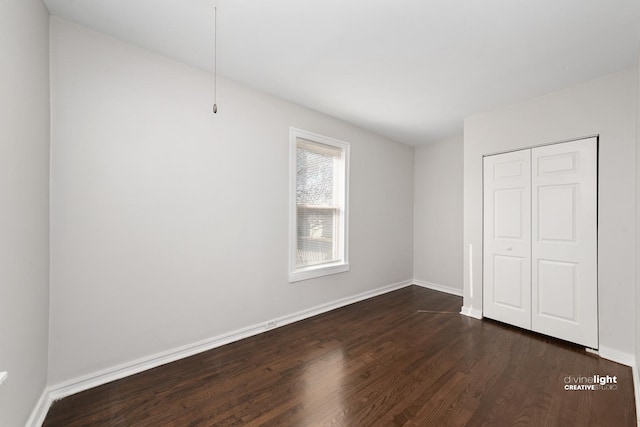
315, 178
316, 203
315, 228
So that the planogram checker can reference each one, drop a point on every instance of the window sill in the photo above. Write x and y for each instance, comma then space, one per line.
317, 271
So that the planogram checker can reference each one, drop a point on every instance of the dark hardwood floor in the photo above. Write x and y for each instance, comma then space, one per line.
382, 362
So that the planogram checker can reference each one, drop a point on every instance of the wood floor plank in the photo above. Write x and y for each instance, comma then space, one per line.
405, 358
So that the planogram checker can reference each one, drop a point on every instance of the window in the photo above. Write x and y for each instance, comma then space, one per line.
318, 216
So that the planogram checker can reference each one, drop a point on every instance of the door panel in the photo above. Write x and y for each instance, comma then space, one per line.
564, 246
506, 224
507, 239
507, 283
557, 289
557, 213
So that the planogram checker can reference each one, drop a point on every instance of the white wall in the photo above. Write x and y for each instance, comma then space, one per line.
606, 107
24, 206
169, 224
438, 211
637, 263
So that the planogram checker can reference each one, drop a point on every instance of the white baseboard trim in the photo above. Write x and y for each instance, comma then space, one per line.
40, 410
440, 288
624, 359
471, 312
85, 382
636, 391
615, 356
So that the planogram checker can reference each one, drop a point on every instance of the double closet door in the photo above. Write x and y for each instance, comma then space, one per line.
540, 240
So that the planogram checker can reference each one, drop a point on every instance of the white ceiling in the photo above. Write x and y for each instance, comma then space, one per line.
411, 70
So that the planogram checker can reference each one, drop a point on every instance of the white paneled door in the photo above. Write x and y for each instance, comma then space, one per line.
564, 276
551, 287
507, 238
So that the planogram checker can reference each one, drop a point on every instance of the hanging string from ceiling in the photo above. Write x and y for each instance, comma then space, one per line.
215, 59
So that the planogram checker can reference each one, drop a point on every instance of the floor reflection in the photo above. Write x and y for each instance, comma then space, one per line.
324, 387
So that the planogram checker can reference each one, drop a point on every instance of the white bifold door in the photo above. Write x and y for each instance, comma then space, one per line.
540, 240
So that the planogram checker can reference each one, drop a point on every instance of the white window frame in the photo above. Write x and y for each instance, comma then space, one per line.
342, 265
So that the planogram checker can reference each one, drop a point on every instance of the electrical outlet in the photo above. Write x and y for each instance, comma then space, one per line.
270, 324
